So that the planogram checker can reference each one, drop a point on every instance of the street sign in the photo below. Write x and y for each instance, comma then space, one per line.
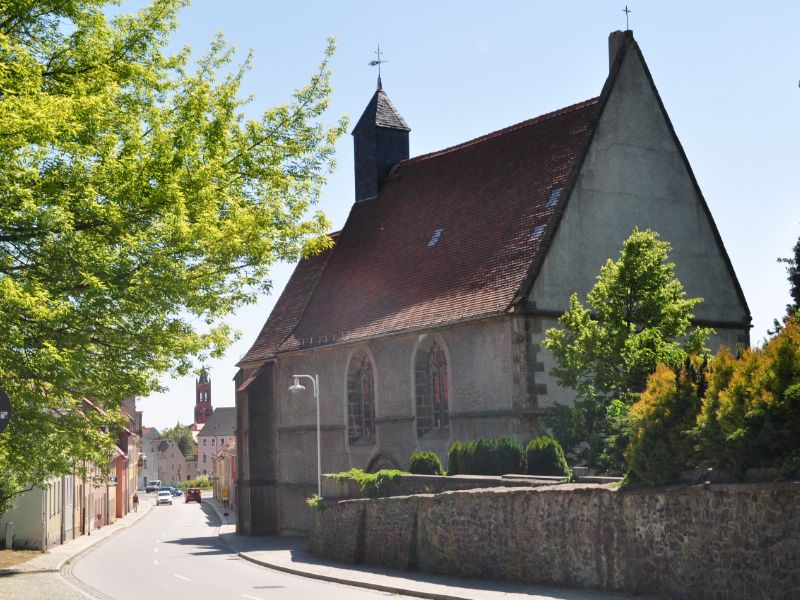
5, 410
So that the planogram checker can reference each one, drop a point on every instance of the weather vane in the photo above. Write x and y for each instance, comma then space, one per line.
627, 11
378, 62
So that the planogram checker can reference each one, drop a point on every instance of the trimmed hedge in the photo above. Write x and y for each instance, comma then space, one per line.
494, 456
425, 463
544, 456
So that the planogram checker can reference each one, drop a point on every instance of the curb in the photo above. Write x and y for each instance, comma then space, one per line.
353, 583
330, 578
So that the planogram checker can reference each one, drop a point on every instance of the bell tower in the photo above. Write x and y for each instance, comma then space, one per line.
202, 403
380, 141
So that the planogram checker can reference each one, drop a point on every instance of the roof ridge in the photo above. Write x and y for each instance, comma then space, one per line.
506, 130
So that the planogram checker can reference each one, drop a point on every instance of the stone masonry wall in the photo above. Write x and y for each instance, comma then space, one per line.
704, 542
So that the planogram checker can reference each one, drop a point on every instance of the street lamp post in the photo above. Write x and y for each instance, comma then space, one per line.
296, 388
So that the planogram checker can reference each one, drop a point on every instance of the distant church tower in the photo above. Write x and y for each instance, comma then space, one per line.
202, 404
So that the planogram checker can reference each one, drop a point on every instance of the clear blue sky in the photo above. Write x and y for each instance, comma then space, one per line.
727, 72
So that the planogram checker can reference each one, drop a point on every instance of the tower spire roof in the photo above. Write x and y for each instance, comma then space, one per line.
381, 112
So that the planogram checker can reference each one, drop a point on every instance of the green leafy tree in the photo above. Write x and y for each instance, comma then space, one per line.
636, 317
183, 437
793, 270
139, 205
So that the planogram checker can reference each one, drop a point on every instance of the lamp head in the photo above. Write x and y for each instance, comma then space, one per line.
297, 387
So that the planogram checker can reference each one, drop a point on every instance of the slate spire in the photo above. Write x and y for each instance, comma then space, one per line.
380, 141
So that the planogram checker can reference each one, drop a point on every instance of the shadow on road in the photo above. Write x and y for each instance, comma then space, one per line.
206, 545
212, 519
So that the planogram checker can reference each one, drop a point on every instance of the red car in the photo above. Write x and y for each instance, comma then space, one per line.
193, 494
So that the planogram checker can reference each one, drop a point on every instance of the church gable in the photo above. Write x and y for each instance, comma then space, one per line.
635, 174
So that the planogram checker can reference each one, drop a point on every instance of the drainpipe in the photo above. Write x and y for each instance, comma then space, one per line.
44, 520
89, 508
63, 509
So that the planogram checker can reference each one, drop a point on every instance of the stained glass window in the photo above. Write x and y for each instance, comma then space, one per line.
431, 387
360, 400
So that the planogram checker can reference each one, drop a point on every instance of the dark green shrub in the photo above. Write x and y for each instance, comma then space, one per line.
425, 463
495, 456
544, 456
455, 458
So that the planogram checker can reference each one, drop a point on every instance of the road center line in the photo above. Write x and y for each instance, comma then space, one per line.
181, 577
155, 562
155, 550
251, 597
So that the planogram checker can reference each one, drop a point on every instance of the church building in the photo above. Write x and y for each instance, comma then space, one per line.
424, 322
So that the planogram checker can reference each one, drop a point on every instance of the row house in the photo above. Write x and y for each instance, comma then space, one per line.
66, 507
219, 429
226, 474
172, 464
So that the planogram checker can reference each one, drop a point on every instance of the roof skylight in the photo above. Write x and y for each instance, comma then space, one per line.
553, 198
436, 235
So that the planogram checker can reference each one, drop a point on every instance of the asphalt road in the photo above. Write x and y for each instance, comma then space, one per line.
174, 552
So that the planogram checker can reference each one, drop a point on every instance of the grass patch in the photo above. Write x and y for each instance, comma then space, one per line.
12, 558
372, 484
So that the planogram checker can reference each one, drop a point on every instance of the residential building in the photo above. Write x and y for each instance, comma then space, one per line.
171, 462
219, 429
149, 468
225, 470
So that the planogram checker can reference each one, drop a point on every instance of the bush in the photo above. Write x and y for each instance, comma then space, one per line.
661, 442
751, 415
495, 456
202, 482
425, 463
544, 456
316, 503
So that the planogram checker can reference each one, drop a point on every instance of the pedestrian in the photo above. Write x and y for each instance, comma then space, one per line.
135, 502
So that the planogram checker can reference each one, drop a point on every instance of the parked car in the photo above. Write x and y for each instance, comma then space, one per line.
175, 491
164, 497
152, 486
193, 494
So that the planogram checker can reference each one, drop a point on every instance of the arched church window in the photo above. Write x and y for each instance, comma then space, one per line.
431, 391
360, 399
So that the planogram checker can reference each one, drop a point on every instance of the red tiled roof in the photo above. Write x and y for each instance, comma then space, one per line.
487, 196
289, 308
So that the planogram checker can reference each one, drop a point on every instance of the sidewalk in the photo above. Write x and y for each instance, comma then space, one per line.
291, 555
40, 578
